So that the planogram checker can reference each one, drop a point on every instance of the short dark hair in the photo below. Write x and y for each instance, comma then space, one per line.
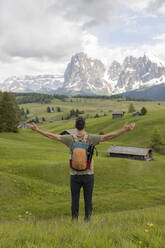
80, 123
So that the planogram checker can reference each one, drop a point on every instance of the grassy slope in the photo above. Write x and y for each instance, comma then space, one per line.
34, 177
90, 106
34, 171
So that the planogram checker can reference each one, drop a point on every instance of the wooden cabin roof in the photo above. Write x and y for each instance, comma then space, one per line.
129, 150
118, 112
69, 131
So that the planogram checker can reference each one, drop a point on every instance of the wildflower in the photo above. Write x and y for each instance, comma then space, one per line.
150, 224
140, 242
26, 212
146, 230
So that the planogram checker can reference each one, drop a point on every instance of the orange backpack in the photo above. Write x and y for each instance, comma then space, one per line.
79, 154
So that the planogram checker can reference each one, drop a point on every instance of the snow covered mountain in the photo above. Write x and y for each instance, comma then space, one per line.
87, 76
84, 75
30, 83
135, 73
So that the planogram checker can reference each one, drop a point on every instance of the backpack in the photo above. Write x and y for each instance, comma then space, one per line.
79, 154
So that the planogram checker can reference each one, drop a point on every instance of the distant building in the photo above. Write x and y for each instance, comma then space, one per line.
117, 114
22, 125
130, 152
136, 114
69, 131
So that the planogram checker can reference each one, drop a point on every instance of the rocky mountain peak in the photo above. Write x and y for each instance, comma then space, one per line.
86, 75
136, 72
114, 70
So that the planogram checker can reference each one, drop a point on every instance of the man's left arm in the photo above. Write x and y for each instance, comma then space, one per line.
117, 133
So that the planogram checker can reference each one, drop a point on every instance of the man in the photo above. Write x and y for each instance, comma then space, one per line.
84, 178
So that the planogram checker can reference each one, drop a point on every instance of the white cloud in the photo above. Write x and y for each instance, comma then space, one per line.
109, 54
136, 5
160, 37
88, 12
150, 6
33, 33
52, 29
155, 5
40, 36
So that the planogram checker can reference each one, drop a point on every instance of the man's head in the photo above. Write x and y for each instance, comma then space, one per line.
80, 123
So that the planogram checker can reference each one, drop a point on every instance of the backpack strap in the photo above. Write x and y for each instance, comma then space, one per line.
85, 138
77, 140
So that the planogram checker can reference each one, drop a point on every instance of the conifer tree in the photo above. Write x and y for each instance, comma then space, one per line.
155, 137
48, 109
9, 113
131, 108
143, 111
36, 119
27, 111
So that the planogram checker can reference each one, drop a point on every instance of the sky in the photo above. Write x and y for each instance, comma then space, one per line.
41, 36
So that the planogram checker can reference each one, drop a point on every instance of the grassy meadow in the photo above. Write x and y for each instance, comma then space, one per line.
129, 195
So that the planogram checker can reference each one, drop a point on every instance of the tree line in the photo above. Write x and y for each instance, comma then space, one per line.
23, 98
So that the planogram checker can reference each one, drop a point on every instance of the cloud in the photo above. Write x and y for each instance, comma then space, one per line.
48, 29
160, 37
148, 6
41, 36
87, 12
108, 54
139, 5
27, 30
155, 5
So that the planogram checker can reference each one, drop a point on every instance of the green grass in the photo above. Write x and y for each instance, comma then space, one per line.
34, 177
90, 106
129, 229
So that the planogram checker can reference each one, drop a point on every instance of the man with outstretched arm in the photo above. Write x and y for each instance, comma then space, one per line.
84, 178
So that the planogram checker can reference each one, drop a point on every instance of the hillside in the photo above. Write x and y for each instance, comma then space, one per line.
34, 171
151, 93
129, 195
91, 107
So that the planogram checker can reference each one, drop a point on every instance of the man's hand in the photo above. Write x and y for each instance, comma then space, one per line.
33, 126
117, 133
129, 127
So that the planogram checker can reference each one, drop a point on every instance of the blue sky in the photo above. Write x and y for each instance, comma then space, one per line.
131, 28
41, 36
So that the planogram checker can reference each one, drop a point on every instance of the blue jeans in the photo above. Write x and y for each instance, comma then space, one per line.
87, 182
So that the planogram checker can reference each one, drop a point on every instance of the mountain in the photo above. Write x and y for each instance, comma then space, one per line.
135, 73
84, 75
31, 83
152, 93
87, 76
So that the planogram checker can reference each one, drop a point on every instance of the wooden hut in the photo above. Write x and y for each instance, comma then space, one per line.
22, 125
130, 152
136, 114
117, 114
69, 131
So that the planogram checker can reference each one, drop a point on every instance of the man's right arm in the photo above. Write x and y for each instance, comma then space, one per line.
47, 134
